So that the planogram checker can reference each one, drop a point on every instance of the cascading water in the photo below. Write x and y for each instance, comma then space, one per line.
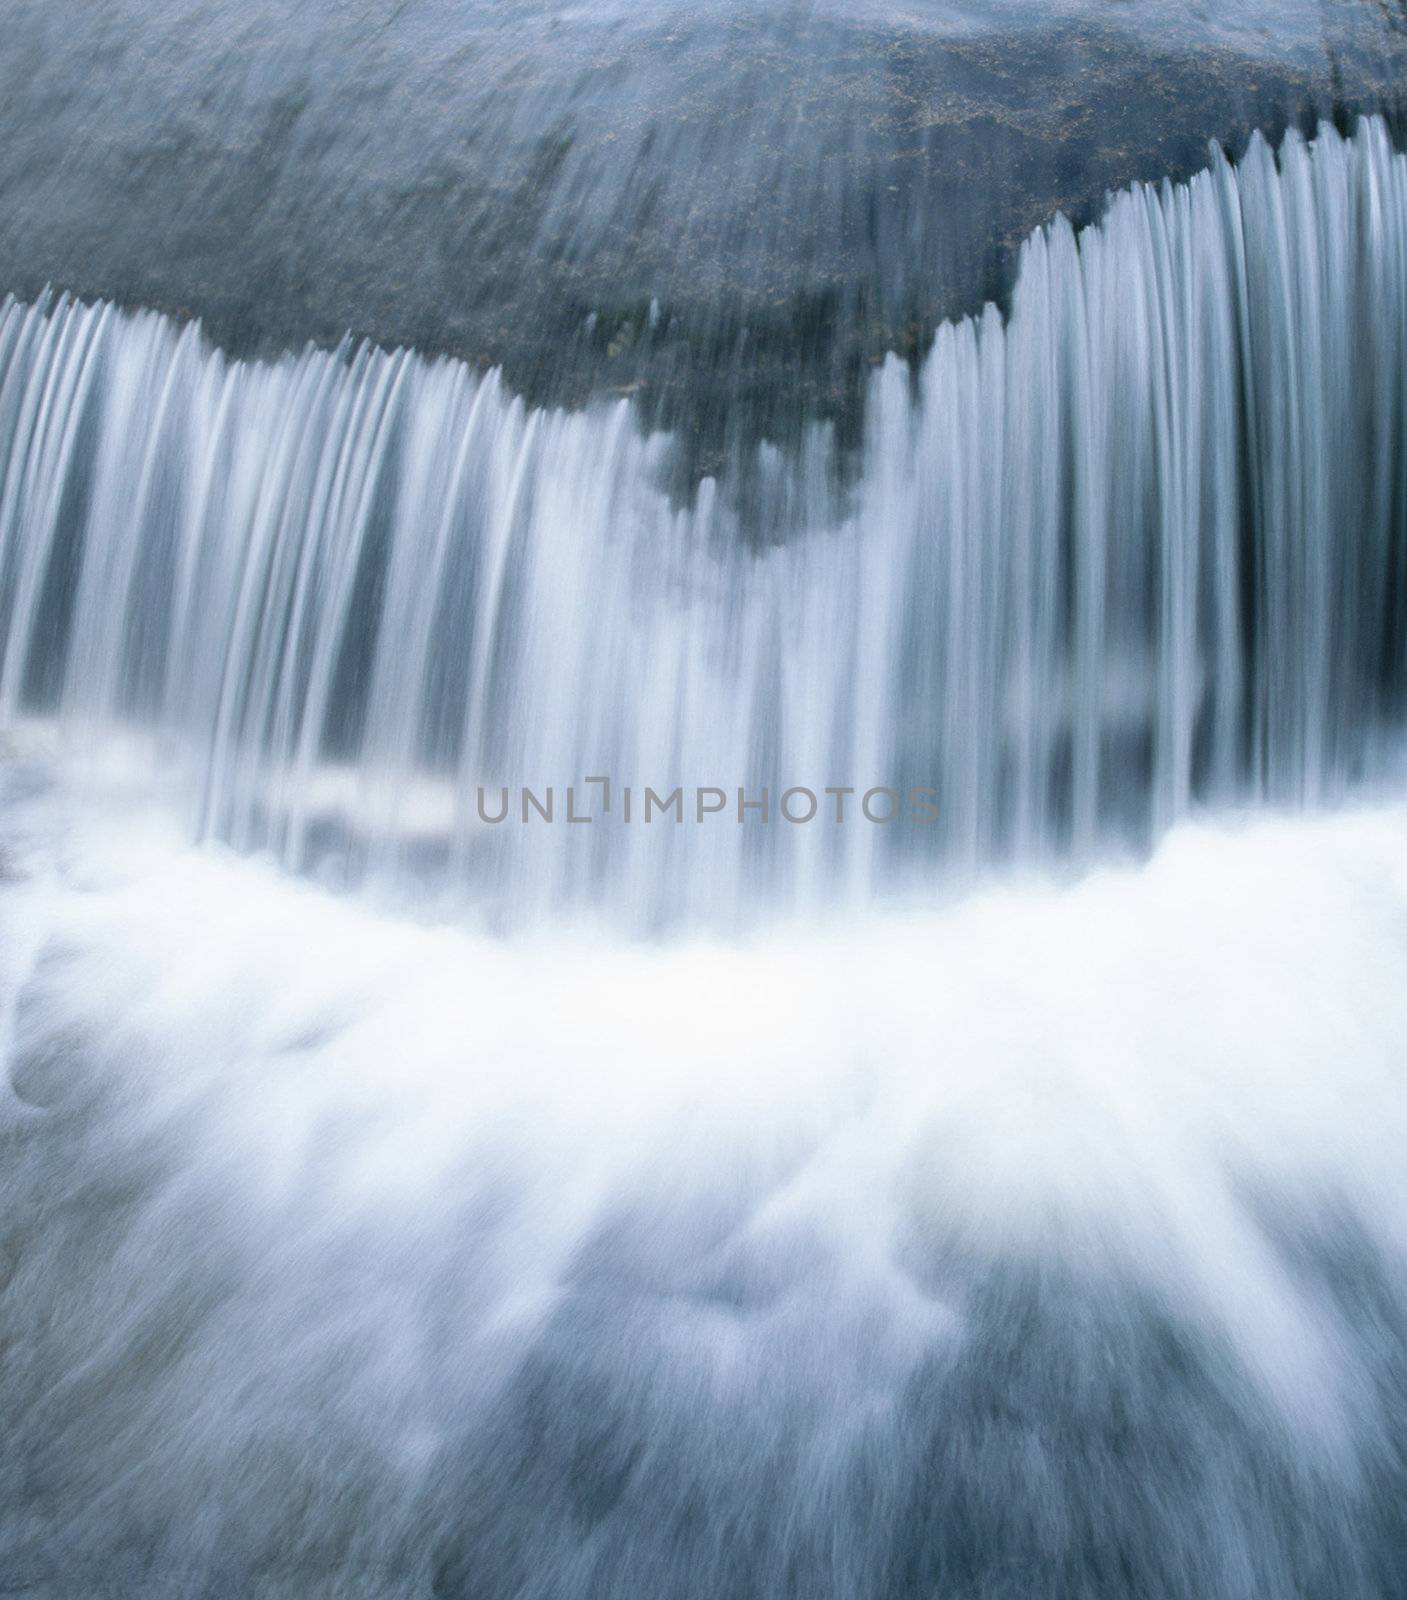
1143, 545
859, 1240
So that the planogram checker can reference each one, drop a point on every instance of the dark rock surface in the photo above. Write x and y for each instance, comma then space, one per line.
729, 210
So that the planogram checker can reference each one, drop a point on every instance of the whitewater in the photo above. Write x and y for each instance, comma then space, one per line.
393, 1204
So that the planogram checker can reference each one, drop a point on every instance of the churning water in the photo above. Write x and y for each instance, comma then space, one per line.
1053, 1245
859, 1240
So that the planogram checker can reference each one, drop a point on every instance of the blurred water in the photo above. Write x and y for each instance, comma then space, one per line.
1139, 548
907, 1214
1053, 1244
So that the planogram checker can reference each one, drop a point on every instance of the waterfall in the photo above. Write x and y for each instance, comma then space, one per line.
1138, 548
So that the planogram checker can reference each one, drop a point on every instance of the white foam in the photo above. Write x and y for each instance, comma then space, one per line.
1106, 1075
